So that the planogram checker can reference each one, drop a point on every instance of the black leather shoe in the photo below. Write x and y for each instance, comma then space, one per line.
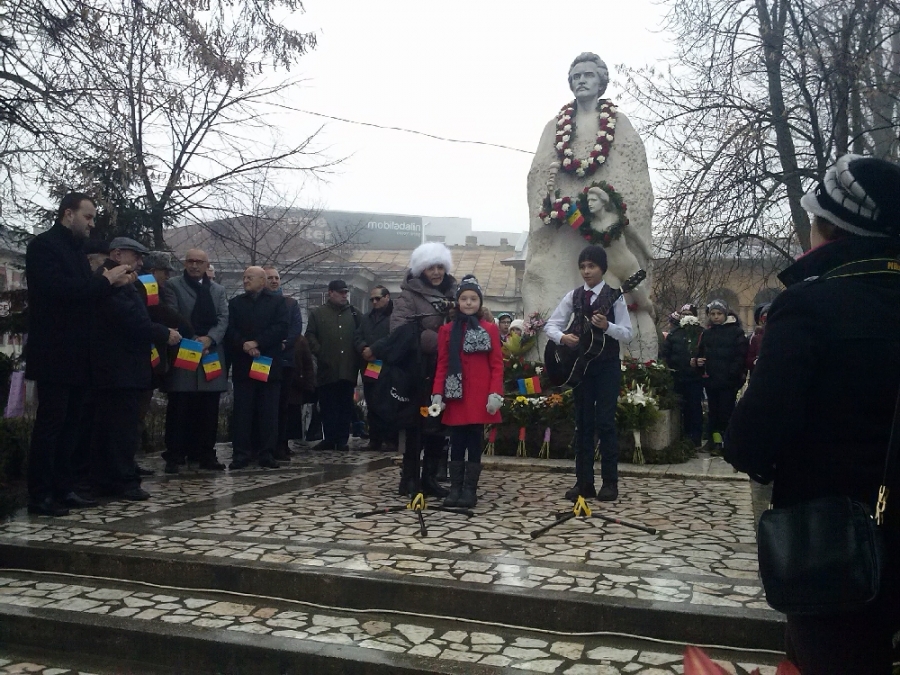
579, 490
141, 471
609, 492
136, 495
47, 507
212, 465
268, 463
237, 466
171, 467
76, 501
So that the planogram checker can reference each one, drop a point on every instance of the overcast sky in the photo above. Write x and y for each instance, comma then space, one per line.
478, 70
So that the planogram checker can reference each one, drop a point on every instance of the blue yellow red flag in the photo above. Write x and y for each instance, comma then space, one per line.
530, 385
154, 356
260, 368
575, 218
212, 366
189, 354
151, 287
373, 369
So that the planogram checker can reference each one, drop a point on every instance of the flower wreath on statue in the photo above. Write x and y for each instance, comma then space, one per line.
576, 213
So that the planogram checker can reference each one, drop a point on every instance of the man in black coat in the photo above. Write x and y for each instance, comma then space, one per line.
61, 294
816, 417
375, 326
257, 327
121, 338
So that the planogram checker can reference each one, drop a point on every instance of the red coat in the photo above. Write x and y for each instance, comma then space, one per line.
482, 374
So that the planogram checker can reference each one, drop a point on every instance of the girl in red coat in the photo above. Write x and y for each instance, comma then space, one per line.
468, 386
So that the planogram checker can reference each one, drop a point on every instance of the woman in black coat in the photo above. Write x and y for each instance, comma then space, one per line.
679, 348
817, 415
721, 358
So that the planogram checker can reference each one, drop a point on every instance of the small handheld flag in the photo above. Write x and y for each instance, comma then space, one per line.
189, 353
151, 287
373, 369
575, 218
154, 356
530, 385
212, 367
260, 368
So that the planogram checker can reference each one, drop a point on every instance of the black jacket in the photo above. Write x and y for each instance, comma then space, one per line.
724, 347
677, 351
374, 326
121, 336
62, 292
816, 415
262, 318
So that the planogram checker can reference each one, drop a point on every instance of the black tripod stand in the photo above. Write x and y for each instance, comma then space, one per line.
417, 502
582, 510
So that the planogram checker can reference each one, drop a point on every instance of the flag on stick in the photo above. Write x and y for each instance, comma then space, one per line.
189, 353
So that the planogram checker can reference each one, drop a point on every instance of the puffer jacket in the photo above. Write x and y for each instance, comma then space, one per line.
724, 347
417, 297
676, 352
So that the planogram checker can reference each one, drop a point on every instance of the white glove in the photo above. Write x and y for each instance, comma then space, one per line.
495, 402
437, 401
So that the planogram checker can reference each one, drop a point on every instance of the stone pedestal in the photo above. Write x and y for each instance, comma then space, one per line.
665, 432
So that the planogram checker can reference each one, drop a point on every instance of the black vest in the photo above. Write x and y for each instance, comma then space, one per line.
605, 298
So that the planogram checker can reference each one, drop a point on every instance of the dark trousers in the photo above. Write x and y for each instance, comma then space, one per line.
81, 454
336, 407
417, 444
721, 404
284, 399
115, 439
379, 431
596, 397
255, 401
192, 425
466, 438
691, 395
53, 437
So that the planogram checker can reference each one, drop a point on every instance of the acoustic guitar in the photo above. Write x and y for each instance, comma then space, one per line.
567, 365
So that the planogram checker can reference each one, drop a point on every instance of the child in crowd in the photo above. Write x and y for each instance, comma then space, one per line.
597, 395
468, 386
721, 357
680, 346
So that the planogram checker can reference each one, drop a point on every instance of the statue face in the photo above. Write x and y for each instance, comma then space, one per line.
586, 80
596, 203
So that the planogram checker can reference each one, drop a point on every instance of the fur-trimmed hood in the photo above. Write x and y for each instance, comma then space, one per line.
426, 255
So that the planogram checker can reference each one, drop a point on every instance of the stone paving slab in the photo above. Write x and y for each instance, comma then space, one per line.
428, 639
701, 467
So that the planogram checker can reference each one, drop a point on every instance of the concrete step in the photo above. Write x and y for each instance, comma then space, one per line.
105, 626
355, 586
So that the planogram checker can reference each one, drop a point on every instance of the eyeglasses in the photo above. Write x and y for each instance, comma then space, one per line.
374, 300
194, 261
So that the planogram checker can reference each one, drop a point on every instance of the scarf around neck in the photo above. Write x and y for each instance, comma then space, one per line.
469, 336
203, 316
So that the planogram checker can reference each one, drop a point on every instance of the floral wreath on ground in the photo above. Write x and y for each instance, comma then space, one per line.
565, 131
576, 214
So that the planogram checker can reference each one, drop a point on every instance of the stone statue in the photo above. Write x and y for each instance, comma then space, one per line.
589, 142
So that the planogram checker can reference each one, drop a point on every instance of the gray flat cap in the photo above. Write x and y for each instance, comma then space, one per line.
127, 244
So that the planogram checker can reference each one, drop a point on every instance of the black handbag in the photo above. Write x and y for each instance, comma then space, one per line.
825, 556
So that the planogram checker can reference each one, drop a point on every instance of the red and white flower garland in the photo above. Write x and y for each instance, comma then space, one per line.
565, 132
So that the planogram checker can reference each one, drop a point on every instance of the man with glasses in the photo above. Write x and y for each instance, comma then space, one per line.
375, 326
192, 415
330, 334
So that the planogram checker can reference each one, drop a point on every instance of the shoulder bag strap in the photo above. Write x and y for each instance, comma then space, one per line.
890, 466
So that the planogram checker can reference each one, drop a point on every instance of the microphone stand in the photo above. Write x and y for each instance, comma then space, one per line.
417, 501
582, 510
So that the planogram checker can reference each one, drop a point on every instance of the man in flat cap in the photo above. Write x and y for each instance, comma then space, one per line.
121, 339
330, 333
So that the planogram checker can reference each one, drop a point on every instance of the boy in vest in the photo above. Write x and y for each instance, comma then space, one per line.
598, 392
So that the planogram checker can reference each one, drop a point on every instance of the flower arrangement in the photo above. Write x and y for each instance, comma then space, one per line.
517, 345
558, 210
636, 411
534, 324
655, 377
515, 368
693, 330
565, 132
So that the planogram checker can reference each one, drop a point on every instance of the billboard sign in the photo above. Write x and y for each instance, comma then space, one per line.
378, 231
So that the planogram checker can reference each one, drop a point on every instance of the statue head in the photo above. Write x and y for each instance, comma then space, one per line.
595, 81
598, 200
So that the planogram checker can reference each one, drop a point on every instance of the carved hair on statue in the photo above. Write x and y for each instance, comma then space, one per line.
602, 70
602, 195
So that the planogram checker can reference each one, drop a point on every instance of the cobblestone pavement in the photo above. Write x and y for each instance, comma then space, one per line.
486, 646
301, 516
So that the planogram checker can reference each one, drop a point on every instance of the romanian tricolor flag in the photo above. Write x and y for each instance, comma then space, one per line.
151, 287
259, 369
189, 353
575, 219
530, 385
212, 366
373, 369
154, 356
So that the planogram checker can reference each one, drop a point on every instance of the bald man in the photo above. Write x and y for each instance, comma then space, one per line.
192, 414
258, 323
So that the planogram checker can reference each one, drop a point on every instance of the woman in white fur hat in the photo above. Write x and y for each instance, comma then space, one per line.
428, 293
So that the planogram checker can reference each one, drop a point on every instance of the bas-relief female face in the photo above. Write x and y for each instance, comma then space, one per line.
596, 203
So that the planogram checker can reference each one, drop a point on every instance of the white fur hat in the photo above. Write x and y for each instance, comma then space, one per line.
426, 255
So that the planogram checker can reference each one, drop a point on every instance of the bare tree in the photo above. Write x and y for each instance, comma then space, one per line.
764, 96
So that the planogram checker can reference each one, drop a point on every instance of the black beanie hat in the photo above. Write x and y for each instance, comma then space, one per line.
596, 254
860, 195
469, 283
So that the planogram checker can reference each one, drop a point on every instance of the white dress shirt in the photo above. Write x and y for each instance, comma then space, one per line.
619, 330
